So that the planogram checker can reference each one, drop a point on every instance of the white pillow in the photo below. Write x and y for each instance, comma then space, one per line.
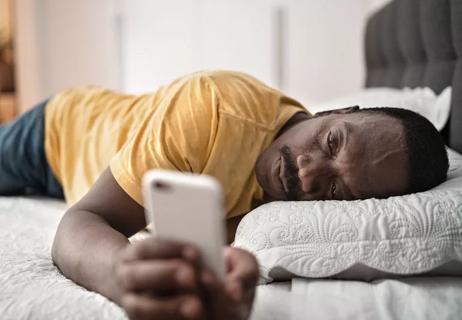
363, 239
424, 101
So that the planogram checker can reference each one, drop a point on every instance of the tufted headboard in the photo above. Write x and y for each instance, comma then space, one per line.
412, 43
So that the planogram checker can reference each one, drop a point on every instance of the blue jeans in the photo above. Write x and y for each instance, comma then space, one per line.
24, 169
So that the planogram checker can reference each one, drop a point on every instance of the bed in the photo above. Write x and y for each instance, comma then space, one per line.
32, 288
407, 43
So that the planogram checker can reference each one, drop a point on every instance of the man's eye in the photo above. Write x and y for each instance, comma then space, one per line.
333, 190
331, 142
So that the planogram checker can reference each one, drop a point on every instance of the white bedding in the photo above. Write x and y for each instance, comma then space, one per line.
412, 298
32, 288
415, 298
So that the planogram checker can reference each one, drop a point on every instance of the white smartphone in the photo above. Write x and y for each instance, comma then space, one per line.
187, 207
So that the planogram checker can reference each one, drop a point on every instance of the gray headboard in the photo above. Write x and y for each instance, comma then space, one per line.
412, 43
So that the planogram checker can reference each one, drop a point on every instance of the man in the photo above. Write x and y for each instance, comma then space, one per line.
261, 145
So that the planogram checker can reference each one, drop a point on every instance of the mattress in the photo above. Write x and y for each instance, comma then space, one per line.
414, 298
33, 288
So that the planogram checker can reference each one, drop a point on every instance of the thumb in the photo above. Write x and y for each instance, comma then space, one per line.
242, 269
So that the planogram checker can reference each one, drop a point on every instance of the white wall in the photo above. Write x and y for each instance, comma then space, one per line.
325, 58
64, 43
136, 45
164, 40
321, 55
374, 5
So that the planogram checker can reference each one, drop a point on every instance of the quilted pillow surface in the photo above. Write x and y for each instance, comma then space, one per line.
363, 239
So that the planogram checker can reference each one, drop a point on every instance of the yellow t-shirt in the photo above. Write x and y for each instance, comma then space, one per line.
214, 123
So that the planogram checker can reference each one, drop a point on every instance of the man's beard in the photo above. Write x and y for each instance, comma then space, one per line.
291, 174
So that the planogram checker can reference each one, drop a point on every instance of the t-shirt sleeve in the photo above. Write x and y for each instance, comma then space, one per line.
176, 134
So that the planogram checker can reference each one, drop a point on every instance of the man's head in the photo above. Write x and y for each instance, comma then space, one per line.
354, 153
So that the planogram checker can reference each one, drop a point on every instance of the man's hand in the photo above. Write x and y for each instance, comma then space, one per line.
152, 278
163, 279
159, 280
232, 299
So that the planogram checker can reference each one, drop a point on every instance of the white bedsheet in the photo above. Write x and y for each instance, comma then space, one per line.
415, 298
412, 298
32, 288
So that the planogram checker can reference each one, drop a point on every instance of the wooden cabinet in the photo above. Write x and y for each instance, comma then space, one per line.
7, 85
7, 107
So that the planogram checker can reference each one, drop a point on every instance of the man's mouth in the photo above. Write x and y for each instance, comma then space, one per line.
288, 174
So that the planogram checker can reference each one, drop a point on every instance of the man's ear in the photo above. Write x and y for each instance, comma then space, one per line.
338, 111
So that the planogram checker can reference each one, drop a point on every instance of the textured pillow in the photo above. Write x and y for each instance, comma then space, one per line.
363, 239
424, 101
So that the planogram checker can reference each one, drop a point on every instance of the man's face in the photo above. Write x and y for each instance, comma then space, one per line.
336, 156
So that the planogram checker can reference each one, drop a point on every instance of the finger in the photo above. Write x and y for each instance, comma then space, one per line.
215, 299
159, 276
235, 290
157, 248
218, 304
213, 286
139, 306
242, 268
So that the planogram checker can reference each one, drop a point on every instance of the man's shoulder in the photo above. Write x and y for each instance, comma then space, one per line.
225, 79
242, 96
246, 98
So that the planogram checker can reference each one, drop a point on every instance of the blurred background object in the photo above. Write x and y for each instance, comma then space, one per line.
310, 49
7, 84
6, 62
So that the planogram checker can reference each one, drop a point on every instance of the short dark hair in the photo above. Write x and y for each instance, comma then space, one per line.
428, 158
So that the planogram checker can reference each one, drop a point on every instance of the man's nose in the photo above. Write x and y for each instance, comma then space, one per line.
309, 172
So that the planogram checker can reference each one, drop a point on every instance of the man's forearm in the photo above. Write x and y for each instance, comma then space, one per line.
84, 249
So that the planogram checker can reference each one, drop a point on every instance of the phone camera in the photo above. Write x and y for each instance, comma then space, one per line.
162, 186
